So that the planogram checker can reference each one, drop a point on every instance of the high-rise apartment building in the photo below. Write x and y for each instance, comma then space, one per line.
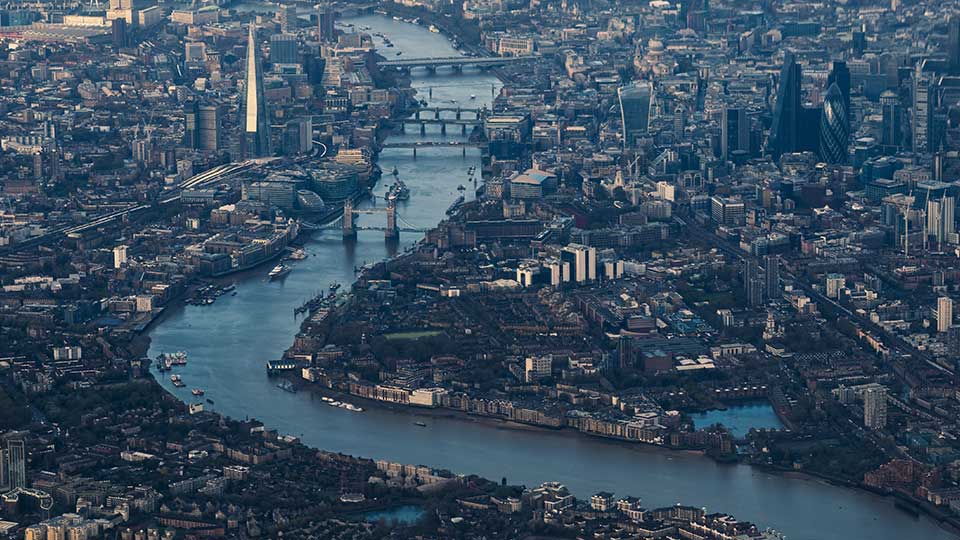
772, 276
17, 463
875, 408
944, 314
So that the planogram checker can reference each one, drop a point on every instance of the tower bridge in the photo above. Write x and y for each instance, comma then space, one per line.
347, 222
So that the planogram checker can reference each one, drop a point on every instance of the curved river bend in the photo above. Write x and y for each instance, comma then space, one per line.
229, 341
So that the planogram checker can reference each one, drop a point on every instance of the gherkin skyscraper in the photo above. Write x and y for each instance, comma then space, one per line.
834, 127
254, 125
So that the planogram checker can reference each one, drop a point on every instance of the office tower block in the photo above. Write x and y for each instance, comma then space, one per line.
858, 42
784, 132
735, 132
201, 126
254, 126
840, 76
208, 127
313, 66
944, 314
118, 29
948, 208
834, 127
875, 408
298, 136
582, 261
727, 210
921, 112
287, 17
635, 102
191, 125
326, 18
892, 124
693, 14
940, 219
283, 49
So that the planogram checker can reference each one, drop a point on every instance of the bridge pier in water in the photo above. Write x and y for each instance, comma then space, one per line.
392, 232
349, 232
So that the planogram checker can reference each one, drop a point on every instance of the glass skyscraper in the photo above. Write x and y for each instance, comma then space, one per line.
255, 129
784, 133
283, 49
834, 127
635, 102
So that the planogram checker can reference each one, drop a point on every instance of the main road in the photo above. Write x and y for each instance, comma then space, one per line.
229, 341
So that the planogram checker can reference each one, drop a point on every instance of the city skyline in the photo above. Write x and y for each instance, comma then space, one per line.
479, 270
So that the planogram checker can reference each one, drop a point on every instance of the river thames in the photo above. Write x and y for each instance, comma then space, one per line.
229, 342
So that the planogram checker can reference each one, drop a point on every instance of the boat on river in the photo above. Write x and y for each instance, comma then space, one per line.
278, 271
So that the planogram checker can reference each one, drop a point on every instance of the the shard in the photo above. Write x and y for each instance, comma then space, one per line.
255, 129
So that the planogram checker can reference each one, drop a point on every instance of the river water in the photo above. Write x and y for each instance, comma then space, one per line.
229, 342
740, 419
